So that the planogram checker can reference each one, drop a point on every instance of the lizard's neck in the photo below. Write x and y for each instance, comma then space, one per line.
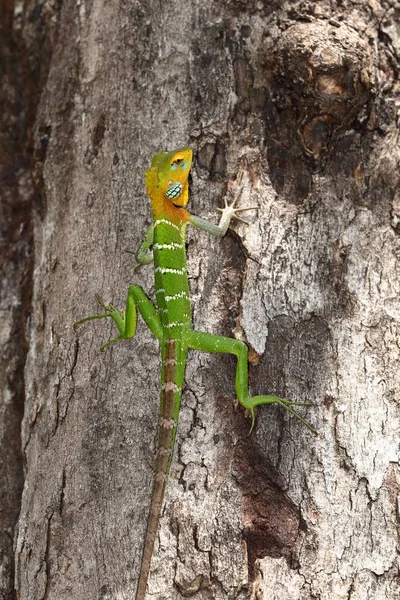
163, 208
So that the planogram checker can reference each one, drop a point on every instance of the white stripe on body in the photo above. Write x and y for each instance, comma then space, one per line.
184, 295
164, 270
170, 246
159, 221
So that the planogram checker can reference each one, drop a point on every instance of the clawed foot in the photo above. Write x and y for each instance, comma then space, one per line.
111, 311
229, 211
254, 401
110, 308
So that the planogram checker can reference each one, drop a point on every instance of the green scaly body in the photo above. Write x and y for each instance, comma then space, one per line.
172, 297
170, 321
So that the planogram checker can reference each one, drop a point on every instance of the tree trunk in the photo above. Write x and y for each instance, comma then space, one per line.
292, 106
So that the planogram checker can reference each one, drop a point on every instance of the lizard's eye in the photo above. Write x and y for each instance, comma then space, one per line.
178, 161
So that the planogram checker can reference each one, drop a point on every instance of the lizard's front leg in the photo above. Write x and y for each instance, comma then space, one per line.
229, 212
208, 342
125, 320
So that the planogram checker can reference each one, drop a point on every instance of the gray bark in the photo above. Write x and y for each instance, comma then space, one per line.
293, 106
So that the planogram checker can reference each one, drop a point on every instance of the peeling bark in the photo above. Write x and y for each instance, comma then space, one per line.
300, 99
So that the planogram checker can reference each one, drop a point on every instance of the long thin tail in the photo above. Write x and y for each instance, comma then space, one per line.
166, 438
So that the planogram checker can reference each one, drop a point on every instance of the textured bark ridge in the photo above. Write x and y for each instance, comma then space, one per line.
294, 105
17, 102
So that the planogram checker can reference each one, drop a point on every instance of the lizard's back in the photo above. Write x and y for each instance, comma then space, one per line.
171, 282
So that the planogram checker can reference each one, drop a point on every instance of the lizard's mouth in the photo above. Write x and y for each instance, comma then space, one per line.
177, 205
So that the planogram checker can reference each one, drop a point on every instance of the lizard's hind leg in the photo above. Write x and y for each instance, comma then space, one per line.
125, 320
208, 342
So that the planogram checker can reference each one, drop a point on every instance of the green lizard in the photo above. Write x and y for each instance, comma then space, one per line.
170, 322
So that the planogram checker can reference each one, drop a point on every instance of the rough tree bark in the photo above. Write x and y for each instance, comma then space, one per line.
299, 98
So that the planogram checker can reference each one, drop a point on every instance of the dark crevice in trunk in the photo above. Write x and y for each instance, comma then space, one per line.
19, 93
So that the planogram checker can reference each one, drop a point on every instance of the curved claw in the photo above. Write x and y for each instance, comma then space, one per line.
104, 346
240, 219
91, 318
287, 404
253, 420
101, 301
236, 210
